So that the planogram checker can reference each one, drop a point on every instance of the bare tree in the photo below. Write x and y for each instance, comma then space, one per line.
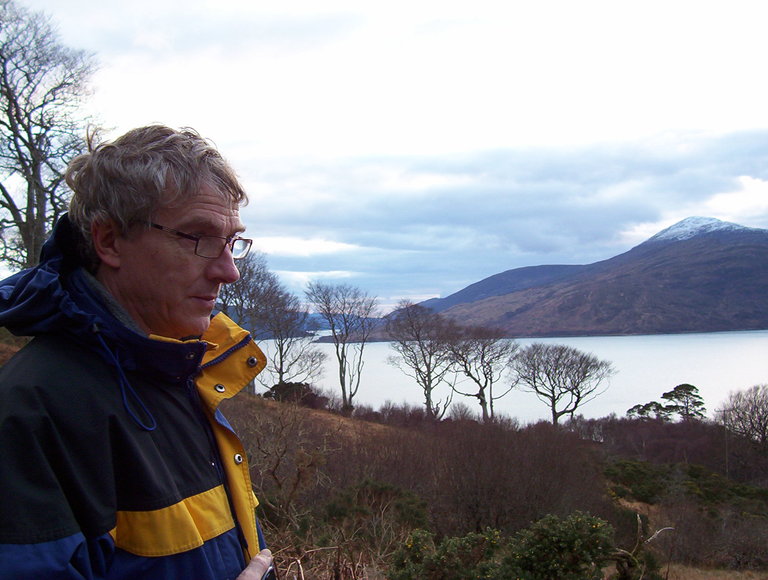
292, 354
422, 339
745, 413
288, 457
257, 288
483, 355
562, 376
42, 84
260, 302
350, 314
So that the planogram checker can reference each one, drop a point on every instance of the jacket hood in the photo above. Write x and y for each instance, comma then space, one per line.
35, 301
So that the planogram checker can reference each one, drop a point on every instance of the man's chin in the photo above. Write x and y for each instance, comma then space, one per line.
194, 331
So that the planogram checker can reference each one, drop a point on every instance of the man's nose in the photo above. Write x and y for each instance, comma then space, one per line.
223, 268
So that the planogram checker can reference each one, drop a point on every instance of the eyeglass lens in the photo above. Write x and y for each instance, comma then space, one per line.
240, 248
212, 247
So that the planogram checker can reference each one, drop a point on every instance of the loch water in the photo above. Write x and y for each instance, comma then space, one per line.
647, 366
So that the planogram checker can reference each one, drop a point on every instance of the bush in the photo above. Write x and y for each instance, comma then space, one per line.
572, 548
638, 480
466, 558
300, 393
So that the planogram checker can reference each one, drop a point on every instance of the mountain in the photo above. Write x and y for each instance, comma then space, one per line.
699, 275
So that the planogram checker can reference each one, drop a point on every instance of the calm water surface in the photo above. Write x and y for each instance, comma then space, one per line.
647, 366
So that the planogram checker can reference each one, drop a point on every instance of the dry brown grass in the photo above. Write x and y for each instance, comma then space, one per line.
680, 572
6, 352
677, 572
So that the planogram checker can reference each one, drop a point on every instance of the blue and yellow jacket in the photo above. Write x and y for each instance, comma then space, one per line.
116, 462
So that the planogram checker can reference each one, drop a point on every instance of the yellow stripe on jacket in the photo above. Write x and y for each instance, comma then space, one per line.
177, 528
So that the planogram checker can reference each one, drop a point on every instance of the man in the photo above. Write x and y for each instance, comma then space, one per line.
116, 462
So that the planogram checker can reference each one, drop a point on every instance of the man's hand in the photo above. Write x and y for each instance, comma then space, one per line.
257, 566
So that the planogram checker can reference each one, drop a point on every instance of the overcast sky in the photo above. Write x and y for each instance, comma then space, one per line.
414, 147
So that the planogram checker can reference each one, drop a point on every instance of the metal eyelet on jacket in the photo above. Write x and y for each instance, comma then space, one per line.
220, 388
238, 459
252, 361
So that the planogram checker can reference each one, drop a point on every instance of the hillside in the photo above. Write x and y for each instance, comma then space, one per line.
351, 490
700, 275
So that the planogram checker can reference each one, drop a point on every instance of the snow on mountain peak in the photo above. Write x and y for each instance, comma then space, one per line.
693, 226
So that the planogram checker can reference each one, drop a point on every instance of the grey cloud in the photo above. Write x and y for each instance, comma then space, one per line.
511, 208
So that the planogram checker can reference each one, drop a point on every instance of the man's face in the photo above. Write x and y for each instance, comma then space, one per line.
165, 287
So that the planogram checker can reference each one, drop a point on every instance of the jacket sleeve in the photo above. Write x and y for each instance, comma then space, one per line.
53, 522
70, 558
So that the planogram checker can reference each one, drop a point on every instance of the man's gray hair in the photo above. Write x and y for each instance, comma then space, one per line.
128, 179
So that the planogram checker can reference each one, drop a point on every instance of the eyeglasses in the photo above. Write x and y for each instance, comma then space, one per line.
213, 246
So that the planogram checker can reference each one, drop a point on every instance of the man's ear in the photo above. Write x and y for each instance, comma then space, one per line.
106, 241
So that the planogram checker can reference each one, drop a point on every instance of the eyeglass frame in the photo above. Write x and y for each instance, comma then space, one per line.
229, 241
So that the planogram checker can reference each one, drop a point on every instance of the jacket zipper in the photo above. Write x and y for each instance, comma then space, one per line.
215, 458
